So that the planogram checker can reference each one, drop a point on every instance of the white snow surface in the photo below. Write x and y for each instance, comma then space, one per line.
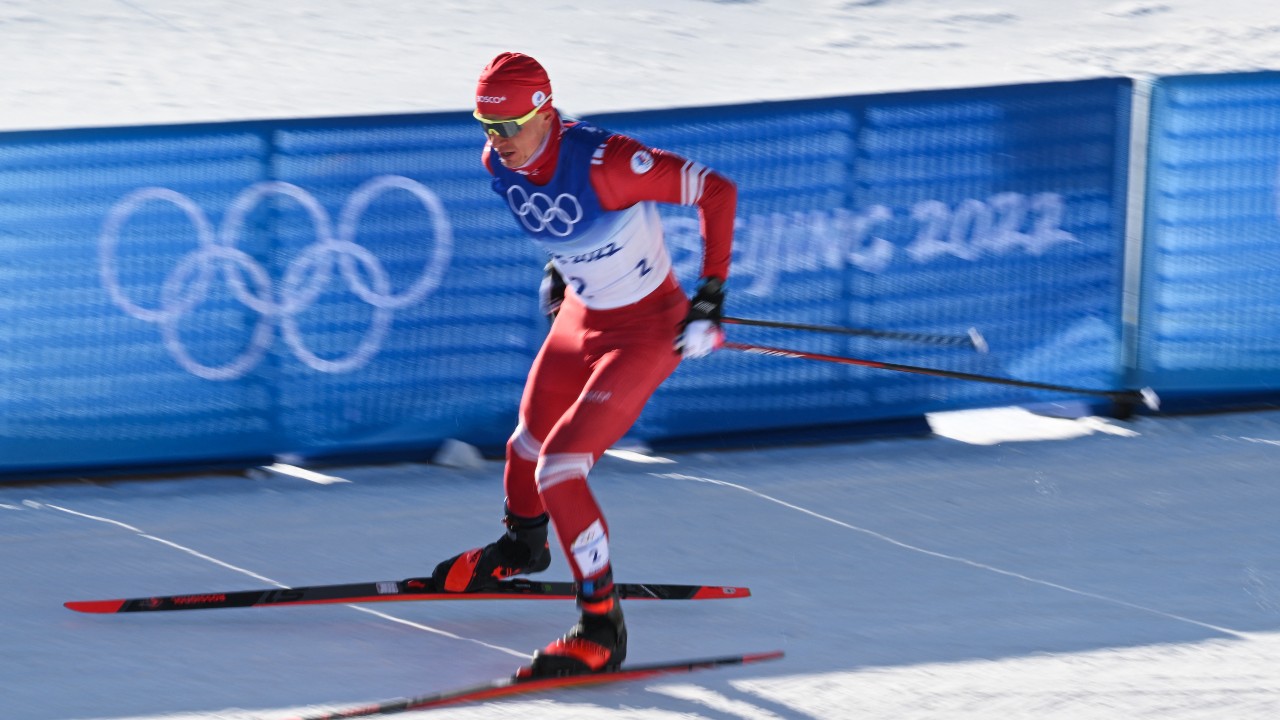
1123, 574
1010, 566
114, 62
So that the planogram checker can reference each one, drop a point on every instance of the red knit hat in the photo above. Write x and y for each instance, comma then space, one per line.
512, 85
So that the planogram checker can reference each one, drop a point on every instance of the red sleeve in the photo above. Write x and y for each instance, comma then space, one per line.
630, 173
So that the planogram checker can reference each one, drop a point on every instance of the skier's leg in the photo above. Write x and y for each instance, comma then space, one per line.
624, 377
555, 381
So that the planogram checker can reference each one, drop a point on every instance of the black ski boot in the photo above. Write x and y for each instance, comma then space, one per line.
523, 549
596, 644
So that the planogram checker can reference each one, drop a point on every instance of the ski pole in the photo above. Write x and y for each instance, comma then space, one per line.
1124, 398
973, 339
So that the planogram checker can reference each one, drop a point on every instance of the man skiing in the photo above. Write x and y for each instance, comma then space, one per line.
621, 325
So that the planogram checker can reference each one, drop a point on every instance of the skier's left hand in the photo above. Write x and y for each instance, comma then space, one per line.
700, 334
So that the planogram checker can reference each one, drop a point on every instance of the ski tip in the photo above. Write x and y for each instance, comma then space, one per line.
94, 606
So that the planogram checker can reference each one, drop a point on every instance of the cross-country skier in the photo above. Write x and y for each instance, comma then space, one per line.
621, 325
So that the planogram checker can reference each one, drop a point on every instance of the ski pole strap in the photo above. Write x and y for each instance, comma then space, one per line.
1123, 398
972, 339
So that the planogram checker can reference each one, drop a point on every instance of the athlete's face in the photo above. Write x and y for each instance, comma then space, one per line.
516, 151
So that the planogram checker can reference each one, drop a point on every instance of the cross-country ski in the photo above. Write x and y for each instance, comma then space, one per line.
423, 588
523, 685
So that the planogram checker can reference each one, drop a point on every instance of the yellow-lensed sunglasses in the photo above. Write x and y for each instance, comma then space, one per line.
508, 128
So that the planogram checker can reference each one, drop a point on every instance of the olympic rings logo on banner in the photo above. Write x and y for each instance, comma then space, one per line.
539, 212
216, 254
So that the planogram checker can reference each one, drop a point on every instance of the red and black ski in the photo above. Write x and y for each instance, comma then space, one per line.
516, 685
396, 590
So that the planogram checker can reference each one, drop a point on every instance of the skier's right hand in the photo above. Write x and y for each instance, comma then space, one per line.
551, 291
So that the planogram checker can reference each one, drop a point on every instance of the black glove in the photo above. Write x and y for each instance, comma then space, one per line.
700, 332
551, 291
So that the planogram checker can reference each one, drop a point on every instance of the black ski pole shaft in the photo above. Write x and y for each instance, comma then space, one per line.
973, 339
1146, 396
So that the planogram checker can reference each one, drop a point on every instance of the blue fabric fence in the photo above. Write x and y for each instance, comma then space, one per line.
224, 294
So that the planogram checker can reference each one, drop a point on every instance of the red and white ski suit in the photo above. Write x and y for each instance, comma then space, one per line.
607, 351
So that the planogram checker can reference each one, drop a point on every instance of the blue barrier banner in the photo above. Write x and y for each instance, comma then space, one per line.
1209, 321
1000, 209
92, 369
235, 292
351, 287
430, 315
